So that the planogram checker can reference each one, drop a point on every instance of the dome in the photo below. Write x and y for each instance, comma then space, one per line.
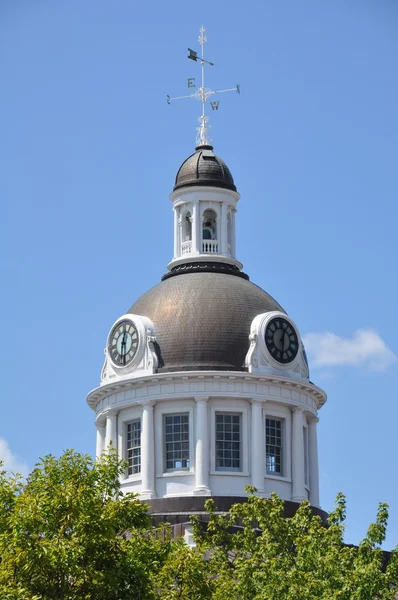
204, 168
202, 319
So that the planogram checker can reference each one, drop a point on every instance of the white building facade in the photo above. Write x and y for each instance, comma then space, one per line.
205, 386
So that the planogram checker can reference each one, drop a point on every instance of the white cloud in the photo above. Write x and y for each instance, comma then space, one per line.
365, 348
11, 462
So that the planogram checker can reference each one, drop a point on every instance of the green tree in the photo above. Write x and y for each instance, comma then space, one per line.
185, 574
254, 553
68, 533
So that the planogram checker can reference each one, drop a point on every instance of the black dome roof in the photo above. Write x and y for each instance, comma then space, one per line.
202, 320
204, 168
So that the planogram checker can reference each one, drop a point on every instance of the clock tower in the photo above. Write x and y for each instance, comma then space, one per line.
205, 386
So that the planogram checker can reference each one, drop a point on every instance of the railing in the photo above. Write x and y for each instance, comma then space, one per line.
210, 246
186, 248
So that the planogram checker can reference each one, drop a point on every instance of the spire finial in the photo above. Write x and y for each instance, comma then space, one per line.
203, 93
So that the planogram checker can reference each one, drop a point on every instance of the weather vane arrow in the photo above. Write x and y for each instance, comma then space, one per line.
203, 94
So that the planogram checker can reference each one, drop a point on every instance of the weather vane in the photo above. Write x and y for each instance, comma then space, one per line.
203, 93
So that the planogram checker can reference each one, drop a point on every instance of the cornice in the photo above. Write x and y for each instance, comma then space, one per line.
101, 392
203, 193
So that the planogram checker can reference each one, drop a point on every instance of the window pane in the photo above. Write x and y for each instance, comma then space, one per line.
273, 434
134, 447
228, 438
177, 441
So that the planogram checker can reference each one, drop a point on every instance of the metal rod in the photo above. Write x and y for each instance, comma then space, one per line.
203, 94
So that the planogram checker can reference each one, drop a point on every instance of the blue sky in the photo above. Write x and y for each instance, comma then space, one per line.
88, 153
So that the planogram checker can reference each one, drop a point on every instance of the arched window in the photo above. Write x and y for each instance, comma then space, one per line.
187, 227
209, 229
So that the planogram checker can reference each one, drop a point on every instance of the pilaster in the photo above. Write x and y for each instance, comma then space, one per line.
257, 446
298, 477
202, 463
179, 230
195, 227
147, 452
100, 427
233, 237
313, 460
176, 245
224, 229
111, 429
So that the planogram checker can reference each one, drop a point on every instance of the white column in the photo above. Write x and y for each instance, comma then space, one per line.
100, 439
257, 446
195, 238
147, 452
298, 477
202, 465
233, 238
313, 459
198, 226
176, 247
224, 229
111, 430
179, 231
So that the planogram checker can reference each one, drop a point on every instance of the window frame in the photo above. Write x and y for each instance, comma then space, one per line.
273, 411
172, 407
126, 415
282, 446
236, 407
229, 469
175, 469
126, 448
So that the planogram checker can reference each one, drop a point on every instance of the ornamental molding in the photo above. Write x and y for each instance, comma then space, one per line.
259, 359
145, 361
204, 258
202, 193
213, 384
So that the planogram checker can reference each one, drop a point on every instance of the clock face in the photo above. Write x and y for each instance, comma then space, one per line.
281, 340
123, 343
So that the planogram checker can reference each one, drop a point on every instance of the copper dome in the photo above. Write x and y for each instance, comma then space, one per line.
202, 319
204, 168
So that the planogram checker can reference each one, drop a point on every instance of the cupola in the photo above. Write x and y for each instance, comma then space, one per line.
204, 168
204, 200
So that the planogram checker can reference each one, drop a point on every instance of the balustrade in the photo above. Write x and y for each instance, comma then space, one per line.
186, 248
210, 246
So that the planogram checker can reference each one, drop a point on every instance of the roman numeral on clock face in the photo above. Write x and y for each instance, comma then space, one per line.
281, 340
123, 343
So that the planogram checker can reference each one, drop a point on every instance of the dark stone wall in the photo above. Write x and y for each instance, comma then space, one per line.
178, 510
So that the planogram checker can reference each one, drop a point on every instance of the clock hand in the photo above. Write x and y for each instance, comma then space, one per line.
124, 344
123, 349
